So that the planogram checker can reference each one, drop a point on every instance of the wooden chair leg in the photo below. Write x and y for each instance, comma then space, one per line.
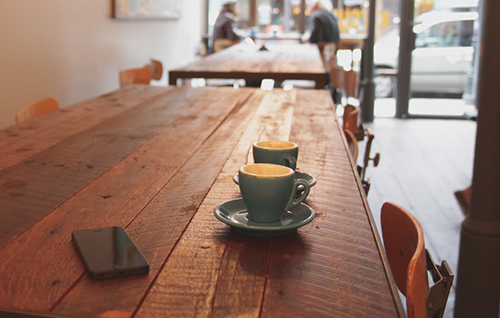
442, 276
366, 185
376, 159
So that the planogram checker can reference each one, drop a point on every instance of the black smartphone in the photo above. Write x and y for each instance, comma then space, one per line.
109, 252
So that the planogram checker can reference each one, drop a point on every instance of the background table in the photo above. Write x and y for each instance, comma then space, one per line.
281, 62
156, 161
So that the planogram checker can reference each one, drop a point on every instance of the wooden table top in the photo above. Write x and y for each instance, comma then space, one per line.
156, 161
280, 62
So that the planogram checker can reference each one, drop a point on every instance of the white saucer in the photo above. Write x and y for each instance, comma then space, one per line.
298, 175
234, 214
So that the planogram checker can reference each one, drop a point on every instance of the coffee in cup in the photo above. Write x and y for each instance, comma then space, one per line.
278, 152
268, 190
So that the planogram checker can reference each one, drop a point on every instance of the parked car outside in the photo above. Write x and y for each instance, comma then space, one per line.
442, 56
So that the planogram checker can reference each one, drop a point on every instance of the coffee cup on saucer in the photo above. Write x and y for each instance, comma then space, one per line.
277, 152
269, 190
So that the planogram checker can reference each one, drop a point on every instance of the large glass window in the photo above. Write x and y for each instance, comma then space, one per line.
281, 15
268, 16
447, 34
290, 16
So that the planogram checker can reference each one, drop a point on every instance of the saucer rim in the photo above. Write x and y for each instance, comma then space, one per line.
314, 180
253, 228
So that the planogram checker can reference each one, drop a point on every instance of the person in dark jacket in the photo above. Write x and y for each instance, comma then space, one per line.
226, 27
324, 31
323, 27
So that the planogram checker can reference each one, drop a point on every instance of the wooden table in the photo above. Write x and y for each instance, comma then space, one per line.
280, 62
156, 161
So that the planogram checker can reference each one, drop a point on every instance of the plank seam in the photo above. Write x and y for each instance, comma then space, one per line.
71, 287
57, 302
235, 108
86, 186
212, 303
81, 104
261, 309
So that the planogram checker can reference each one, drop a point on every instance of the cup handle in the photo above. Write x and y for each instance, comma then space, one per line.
293, 202
292, 162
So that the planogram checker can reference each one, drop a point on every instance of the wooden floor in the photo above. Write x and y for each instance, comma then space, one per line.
422, 163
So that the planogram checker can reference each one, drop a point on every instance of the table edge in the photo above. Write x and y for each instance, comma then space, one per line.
383, 257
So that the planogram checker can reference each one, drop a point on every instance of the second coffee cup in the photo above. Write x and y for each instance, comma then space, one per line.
268, 190
278, 152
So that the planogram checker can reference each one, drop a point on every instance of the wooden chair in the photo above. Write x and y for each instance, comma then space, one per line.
336, 80
352, 143
410, 261
135, 76
38, 108
156, 69
367, 132
351, 83
327, 50
202, 49
221, 44
351, 123
351, 120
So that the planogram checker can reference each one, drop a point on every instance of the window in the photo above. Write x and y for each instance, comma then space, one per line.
280, 15
265, 15
446, 34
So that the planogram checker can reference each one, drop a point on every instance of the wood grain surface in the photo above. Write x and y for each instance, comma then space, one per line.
279, 62
158, 168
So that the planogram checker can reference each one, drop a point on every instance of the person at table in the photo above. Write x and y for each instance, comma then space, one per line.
323, 28
226, 32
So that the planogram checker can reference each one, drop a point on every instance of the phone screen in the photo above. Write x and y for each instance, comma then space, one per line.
109, 252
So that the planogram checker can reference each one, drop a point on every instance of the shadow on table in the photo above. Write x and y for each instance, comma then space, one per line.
254, 254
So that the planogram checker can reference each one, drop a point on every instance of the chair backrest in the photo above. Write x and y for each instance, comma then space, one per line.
351, 81
202, 49
327, 51
38, 108
336, 74
352, 143
135, 76
156, 69
351, 118
405, 249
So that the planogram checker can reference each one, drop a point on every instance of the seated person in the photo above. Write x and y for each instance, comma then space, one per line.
323, 28
324, 31
226, 32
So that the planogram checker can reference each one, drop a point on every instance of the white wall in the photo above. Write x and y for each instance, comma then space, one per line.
73, 49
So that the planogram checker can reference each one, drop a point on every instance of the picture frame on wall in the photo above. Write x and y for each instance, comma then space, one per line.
146, 9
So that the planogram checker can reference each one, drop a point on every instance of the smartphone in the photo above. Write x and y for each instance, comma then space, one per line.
109, 252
